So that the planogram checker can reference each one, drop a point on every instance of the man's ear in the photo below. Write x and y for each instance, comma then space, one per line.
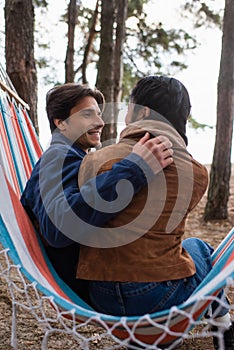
146, 112
143, 113
60, 124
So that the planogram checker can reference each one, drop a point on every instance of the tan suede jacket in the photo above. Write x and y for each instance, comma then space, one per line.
154, 220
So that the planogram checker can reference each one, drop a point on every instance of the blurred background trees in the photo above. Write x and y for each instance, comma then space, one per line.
117, 43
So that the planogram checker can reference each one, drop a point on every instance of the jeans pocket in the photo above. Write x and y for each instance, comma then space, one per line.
172, 293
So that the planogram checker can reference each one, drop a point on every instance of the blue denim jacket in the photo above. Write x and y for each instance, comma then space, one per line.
52, 190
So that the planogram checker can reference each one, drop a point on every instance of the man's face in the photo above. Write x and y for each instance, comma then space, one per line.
85, 124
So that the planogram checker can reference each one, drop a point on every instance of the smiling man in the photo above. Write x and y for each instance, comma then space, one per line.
52, 195
85, 124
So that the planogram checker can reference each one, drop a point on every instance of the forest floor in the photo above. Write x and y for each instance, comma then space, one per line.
30, 334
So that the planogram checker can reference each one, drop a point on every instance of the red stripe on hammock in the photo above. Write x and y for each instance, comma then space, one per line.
9, 156
20, 142
34, 139
31, 241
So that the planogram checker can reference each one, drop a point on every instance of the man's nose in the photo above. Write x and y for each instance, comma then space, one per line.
99, 121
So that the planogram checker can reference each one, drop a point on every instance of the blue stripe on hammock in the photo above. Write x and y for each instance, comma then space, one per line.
26, 136
9, 131
225, 242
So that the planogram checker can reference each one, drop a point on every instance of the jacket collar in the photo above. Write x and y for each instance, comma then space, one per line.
155, 128
58, 138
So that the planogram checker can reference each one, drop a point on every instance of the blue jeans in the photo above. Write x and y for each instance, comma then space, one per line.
137, 298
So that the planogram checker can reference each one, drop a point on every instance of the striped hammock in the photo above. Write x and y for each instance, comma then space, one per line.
21, 251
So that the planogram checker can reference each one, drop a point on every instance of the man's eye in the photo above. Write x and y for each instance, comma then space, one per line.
90, 114
86, 114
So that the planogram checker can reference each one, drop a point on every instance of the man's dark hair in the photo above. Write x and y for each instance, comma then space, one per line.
62, 98
167, 96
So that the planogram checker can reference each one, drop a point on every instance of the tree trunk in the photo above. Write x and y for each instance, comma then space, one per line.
218, 194
69, 60
19, 46
105, 67
89, 45
122, 10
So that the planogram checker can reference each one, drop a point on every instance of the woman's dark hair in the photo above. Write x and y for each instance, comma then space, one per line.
62, 98
166, 96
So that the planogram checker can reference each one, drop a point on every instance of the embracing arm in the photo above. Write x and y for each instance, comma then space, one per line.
64, 208
106, 192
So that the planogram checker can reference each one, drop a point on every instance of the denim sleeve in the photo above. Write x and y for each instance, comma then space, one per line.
109, 185
64, 206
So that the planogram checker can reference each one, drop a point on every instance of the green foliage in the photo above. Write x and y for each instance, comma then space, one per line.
135, 7
40, 3
196, 125
202, 14
129, 80
149, 48
42, 62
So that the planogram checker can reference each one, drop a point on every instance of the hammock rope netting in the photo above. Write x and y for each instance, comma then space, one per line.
35, 288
